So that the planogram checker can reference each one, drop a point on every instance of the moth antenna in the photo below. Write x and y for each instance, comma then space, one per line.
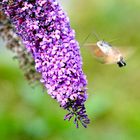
94, 33
86, 39
113, 40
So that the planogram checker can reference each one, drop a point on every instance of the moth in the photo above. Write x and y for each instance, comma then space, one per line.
107, 54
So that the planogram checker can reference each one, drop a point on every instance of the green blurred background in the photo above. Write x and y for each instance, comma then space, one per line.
113, 105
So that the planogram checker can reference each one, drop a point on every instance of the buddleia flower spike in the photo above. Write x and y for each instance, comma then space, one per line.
46, 33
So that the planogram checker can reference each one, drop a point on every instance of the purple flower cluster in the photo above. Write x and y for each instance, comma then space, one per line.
45, 31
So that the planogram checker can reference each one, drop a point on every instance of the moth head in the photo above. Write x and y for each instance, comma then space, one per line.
102, 43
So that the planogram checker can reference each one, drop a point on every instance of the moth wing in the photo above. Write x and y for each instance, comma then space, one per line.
126, 52
97, 53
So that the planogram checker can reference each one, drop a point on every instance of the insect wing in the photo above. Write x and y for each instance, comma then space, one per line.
126, 52
97, 52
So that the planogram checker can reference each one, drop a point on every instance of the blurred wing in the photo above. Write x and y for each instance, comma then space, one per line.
97, 53
126, 52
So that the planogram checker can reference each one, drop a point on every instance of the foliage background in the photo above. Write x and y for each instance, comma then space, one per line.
114, 93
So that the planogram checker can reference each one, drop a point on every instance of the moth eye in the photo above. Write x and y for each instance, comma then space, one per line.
101, 44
